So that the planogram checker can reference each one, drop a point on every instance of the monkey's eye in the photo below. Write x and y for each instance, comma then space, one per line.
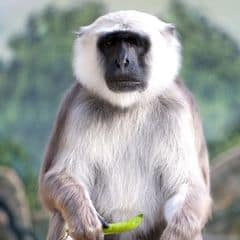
132, 41
108, 43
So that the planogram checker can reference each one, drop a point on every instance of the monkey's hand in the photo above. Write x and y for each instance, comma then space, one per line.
63, 193
83, 222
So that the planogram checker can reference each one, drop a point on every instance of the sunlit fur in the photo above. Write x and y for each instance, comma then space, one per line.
163, 59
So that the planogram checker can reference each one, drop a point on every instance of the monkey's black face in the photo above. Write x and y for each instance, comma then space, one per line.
124, 56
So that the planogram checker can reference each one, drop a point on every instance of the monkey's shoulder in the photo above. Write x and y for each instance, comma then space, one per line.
186, 95
178, 101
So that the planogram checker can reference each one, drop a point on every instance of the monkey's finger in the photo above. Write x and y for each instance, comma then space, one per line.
102, 220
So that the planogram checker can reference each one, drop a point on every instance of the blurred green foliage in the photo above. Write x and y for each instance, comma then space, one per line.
14, 156
227, 220
211, 69
32, 84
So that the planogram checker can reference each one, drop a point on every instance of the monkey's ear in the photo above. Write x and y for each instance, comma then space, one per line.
170, 29
79, 32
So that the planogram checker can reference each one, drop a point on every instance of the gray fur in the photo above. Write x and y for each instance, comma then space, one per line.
129, 160
119, 155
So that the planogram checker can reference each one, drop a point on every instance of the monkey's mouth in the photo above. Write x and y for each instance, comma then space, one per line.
125, 84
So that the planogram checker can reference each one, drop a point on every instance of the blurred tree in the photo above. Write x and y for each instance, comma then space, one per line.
211, 69
14, 156
32, 84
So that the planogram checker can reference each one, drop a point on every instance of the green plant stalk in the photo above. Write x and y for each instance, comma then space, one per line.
116, 228
126, 226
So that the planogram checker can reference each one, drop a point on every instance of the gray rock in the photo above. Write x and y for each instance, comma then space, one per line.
12, 199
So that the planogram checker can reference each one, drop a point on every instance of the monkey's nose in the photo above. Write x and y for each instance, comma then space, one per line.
122, 62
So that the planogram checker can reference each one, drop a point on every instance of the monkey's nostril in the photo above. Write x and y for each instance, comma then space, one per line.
126, 62
122, 63
117, 63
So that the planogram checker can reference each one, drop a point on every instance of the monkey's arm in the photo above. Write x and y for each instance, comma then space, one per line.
61, 192
188, 208
64, 195
186, 213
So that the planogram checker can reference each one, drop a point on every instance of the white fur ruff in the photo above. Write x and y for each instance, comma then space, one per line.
164, 58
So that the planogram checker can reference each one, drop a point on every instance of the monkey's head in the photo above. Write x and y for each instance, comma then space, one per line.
126, 57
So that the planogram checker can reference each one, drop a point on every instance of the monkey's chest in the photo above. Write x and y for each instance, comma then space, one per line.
121, 162
125, 190
127, 179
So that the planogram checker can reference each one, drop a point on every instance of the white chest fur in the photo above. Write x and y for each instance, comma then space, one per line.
120, 158
122, 161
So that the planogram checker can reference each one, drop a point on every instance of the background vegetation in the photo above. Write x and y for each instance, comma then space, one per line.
32, 84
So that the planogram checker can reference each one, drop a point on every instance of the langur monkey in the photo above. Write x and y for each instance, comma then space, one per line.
128, 138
